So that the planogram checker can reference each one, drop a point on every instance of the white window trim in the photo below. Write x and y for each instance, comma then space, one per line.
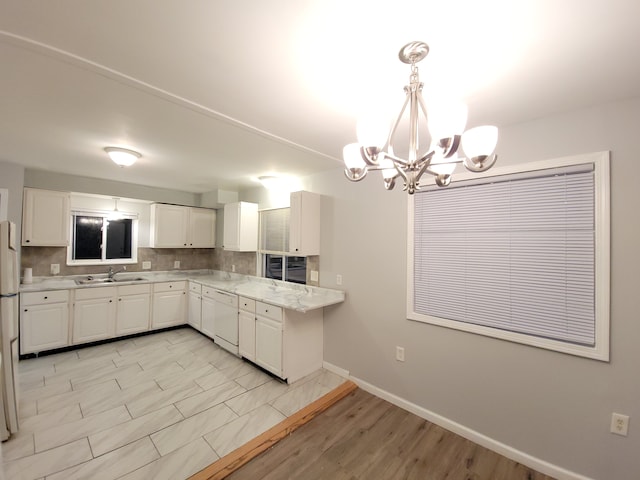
600, 351
115, 261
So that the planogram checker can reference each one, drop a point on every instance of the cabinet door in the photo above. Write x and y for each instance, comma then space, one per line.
169, 309
44, 327
202, 228
169, 226
194, 316
133, 313
247, 335
45, 218
93, 319
269, 345
240, 231
208, 316
304, 224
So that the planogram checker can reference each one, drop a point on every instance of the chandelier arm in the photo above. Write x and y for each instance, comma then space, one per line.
355, 174
419, 173
397, 160
392, 132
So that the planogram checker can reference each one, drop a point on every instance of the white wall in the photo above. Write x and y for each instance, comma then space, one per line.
551, 406
12, 178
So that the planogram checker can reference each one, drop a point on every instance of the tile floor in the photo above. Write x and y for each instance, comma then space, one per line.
161, 406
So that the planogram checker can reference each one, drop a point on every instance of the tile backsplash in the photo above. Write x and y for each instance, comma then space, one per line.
162, 259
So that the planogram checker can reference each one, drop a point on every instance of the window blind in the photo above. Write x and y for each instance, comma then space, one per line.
274, 230
516, 254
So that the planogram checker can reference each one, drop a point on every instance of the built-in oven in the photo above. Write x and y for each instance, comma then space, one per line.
226, 321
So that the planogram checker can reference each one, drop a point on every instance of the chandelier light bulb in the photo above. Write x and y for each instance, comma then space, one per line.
480, 141
447, 119
352, 156
372, 131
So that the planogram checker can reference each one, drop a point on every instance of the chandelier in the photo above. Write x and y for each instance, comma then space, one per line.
372, 152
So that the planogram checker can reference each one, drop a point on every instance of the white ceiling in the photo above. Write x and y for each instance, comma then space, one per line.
214, 93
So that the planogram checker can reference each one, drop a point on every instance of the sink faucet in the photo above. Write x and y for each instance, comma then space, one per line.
111, 273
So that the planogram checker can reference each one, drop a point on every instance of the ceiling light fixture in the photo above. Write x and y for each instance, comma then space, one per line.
445, 127
271, 182
122, 156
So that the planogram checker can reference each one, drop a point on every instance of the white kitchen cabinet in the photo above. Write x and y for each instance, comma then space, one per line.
208, 312
175, 226
304, 224
202, 228
241, 227
169, 304
288, 343
247, 328
45, 218
194, 314
44, 320
133, 310
94, 314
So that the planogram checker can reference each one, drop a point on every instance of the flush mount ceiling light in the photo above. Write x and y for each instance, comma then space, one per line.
445, 127
122, 156
271, 182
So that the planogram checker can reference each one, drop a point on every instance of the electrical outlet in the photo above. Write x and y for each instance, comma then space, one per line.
619, 424
233, 268
146, 265
338, 279
55, 268
313, 276
400, 354
176, 264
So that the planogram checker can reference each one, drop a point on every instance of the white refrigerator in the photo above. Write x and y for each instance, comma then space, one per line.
9, 280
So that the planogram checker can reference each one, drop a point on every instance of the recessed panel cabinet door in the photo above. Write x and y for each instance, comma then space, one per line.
269, 345
93, 319
133, 314
45, 218
247, 335
194, 316
44, 327
169, 308
208, 316
202, 228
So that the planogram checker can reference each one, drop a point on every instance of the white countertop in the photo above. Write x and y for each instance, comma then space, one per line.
291, 296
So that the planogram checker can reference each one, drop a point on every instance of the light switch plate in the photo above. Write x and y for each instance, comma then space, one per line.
146, 265
55, 268
176, 264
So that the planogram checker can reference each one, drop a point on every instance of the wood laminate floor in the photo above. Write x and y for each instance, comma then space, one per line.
365, 437
160, 406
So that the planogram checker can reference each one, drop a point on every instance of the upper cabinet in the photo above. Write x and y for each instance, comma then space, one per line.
241, 227
304, 224
45, 218
175, 226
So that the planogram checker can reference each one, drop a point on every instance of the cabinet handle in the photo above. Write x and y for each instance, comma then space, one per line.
27, 241
185, 244
110, 301
46, 298
26, 309
119, 299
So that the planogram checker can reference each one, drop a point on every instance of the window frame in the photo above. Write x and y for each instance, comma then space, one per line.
105, 215
599, 351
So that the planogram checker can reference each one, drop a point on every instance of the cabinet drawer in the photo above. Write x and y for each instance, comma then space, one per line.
43, 298
269, 311
195, 287
247, 304
99, 292
169, 286
225, 298
134, 289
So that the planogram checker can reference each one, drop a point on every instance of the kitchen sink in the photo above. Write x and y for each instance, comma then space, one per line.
94, 281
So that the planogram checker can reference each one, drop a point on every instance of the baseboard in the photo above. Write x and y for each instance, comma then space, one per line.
335, 369
487, 442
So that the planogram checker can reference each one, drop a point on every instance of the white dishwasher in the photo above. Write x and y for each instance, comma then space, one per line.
225, 327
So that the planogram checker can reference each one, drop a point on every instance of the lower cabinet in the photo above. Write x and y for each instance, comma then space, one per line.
208, 312
133, 309
247, 328
169, 304
94, 314
285, 342
44, 320
194, 307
